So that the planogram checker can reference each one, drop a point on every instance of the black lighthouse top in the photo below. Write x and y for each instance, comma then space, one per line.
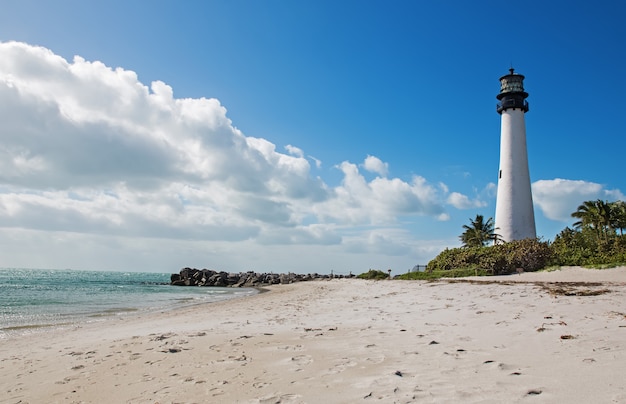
512, 94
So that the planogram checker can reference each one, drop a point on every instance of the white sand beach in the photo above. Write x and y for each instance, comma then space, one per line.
529, 338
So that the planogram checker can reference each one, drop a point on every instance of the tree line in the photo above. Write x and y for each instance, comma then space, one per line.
601, 217
596, 238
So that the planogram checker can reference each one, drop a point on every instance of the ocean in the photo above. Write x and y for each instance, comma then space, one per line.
34, 300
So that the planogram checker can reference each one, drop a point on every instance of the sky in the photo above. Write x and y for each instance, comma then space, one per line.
292, 136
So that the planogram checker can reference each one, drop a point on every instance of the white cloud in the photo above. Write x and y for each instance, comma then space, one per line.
318, 163
375, 165
443, 217
88, 152
559, 198
491, 190
294, 151
380, 201
461, 201
387, 241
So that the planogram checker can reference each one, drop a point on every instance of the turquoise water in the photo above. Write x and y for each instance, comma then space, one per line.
32, 300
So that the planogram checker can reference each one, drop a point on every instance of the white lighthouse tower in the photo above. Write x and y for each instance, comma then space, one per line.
515, 217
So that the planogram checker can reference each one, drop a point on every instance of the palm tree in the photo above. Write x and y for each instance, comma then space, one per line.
596, 215
587, 215
618, 216
479, 232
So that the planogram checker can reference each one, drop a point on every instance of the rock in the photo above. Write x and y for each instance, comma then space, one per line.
207, 277
233, 279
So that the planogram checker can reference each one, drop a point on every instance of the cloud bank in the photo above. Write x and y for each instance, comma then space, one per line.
86, 148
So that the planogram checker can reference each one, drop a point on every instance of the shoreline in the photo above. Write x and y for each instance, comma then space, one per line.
345, 341
41, 300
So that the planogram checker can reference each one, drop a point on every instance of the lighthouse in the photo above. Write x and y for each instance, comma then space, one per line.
515, 217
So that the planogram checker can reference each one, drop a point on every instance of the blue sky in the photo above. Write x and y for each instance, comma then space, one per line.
292, 136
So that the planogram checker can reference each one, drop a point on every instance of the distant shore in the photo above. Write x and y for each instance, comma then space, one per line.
545, 337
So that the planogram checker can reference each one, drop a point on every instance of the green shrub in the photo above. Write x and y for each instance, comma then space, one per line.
452, 273
529, 254
374, 274
584, 248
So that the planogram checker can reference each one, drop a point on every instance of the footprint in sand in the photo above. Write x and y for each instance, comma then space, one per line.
503, 367
282, 399
65, 380
376, 359
341, 366
301, 360
291, 347
161, 337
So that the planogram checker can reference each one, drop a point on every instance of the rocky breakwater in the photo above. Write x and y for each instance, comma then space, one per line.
208, 277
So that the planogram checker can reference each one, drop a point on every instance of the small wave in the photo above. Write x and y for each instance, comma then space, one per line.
114, 311
185, 299
31, 326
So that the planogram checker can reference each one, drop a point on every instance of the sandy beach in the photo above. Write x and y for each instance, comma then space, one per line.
556, 337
